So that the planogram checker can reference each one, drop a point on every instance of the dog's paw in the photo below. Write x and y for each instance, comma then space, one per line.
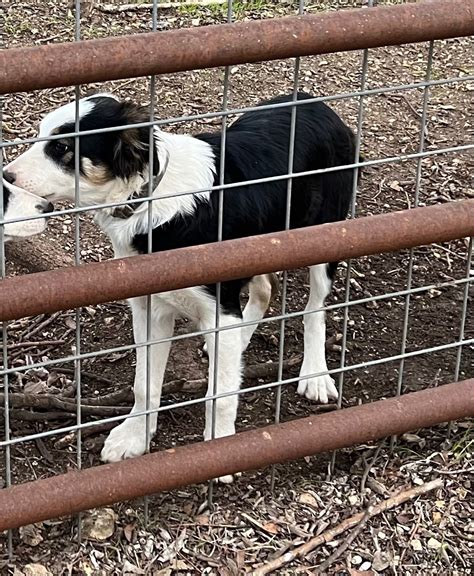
318, 389
126, 441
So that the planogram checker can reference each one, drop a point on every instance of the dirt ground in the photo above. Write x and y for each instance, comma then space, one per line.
252, 522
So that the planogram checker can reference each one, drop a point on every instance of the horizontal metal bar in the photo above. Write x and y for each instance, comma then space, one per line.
238, 111
169, 469
266, 320
259, 388
47, 292
232, 185
53, 65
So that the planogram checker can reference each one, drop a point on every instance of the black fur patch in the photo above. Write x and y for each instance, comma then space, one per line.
123, 153
6, 198
257, 146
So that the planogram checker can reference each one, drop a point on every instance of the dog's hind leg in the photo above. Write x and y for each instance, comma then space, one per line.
129, 439
319, 387
261, 291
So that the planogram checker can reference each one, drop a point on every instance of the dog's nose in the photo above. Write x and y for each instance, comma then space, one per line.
9, 177
45, 208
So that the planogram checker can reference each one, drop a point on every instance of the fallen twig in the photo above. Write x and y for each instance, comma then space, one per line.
85, 433
28, 416
90, 375
108, 405
350, 522
38, 344
31, 331
48, 401
368, 468
345, 545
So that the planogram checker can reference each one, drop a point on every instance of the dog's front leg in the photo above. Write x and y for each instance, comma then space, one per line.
129, 439
229, 377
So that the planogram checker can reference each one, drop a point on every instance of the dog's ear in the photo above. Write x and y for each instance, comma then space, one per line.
132, 146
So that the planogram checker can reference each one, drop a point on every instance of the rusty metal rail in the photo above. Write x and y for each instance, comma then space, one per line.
23, 69
47, 292
194, 463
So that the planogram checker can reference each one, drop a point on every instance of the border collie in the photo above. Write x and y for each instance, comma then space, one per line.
114, 167
18, 203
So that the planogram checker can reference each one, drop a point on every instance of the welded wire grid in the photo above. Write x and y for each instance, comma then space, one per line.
6, 387
224, 113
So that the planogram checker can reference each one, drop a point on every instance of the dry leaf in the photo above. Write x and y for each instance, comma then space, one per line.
180, 565
380, 561
129, 568
38, 387
31, 535
128, 532
437, 517
271, 527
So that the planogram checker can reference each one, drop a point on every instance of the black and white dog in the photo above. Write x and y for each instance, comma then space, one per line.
18, 203
114, 167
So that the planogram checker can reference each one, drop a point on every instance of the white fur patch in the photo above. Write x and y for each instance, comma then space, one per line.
64, 115
20, 205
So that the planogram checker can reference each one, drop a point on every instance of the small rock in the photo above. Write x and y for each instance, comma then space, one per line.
434, 544
99, 524
36, 570
416, 545
353, 500
356, 560
307, 498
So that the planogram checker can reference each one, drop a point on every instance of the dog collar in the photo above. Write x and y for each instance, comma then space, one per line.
125, 211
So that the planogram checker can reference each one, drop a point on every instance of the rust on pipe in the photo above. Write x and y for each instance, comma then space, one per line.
47, 292
53, 65
76, 491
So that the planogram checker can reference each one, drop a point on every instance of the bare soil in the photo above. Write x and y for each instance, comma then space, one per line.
250, 522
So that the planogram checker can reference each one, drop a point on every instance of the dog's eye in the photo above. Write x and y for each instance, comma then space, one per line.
61, 147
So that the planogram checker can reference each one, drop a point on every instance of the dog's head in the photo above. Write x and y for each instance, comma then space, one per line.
112, 165
18, 203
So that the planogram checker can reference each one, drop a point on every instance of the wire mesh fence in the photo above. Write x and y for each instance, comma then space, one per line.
396, 322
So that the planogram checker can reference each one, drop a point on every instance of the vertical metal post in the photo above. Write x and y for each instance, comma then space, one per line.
4, 325
360, 120
151, 145
465, 304
419, 166
289, 188
77, 257
220, 223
